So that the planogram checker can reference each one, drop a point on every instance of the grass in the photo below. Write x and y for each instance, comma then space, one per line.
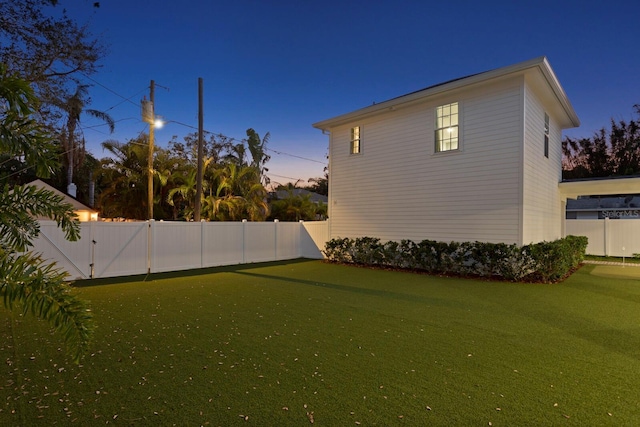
291, 343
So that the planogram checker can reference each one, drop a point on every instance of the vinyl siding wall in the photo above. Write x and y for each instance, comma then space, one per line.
398, 188
542, 208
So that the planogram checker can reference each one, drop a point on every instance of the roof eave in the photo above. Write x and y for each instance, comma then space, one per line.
540, 62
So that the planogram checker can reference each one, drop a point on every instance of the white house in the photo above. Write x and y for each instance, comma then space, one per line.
85, 213
476, 158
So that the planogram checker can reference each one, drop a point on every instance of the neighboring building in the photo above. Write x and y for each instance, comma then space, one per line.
622, 207
314, 197
476, 158
84, 212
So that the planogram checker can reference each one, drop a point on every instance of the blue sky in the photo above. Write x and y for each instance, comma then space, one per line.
279, 66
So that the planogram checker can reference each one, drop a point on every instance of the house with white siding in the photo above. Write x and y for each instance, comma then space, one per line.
473, 159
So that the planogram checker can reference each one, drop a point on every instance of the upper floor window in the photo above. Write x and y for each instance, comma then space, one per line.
546, 135
355, 140
446, 133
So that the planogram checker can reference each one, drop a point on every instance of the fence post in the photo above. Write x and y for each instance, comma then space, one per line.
275, 239
300, 234
202, 245
244, 240
606, 236
93, 250
150, 242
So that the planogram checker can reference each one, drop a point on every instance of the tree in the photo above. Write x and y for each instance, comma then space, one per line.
259, 158
320, 185
74, 106
294, 207
239, 195
47, 51
25, 279
123, 179
608, 153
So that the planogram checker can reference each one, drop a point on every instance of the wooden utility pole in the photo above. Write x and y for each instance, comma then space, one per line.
197, 207
150, 160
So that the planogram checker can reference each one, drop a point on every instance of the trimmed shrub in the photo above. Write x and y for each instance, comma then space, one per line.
544, 261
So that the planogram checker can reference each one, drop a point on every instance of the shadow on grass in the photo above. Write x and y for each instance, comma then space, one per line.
355, 289
183, 273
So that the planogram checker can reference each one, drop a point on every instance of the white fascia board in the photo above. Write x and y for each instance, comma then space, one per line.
624, 185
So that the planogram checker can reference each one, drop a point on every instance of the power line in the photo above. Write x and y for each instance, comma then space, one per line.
116, 93
243, 140
282, 153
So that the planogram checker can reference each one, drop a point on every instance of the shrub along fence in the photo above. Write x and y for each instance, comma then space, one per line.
544, 261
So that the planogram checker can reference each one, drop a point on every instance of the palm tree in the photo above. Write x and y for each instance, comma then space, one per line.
239, 195
183, 191
74, 106
259, 158
26, 279
122, 178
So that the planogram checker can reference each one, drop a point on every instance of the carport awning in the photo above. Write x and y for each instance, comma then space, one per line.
620, 185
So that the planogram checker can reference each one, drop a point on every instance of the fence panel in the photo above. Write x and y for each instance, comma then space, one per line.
608, 237
72, 257
593, 229
259, 242
121, 248
110, 249
287, 245
313, 236
223, 244
176, 246
624, 237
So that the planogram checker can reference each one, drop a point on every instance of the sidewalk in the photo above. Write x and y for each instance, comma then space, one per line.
625, 264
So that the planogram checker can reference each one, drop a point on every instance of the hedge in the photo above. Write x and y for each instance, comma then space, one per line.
541, 262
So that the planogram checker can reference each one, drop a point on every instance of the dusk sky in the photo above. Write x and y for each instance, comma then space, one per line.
279, 66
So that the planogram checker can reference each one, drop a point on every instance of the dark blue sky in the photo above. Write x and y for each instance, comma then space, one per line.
279, 66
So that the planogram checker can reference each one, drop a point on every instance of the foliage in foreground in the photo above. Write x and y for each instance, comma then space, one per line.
25, 279
544, 261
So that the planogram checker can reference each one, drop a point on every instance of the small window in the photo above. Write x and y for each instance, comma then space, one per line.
355, 140
446, 133
546, 135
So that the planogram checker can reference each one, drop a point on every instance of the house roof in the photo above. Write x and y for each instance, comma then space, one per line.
77, 206
539, 65
314, 197
603, 203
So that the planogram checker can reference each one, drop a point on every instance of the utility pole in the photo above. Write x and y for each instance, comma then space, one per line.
197, 207
152, 119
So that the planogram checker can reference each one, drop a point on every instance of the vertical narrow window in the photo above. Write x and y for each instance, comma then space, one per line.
355, 140
446, 133
546, 135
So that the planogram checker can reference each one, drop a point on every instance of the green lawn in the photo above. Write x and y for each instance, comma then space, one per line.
305, 341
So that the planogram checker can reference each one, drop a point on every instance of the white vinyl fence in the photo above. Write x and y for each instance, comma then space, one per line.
618, 237
109, 249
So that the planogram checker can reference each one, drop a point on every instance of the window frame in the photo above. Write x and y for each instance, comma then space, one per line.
445, 122
547, 128
355, 143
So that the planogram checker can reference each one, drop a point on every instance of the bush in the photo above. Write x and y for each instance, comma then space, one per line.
544, 261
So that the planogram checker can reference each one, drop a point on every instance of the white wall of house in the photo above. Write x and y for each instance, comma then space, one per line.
542, 204
498, 186
398, 188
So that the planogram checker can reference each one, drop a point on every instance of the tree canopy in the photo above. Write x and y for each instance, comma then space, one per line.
41, 44
609, 152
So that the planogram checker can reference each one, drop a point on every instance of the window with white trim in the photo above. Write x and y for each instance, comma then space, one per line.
355, 140
546, 135
446, 132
